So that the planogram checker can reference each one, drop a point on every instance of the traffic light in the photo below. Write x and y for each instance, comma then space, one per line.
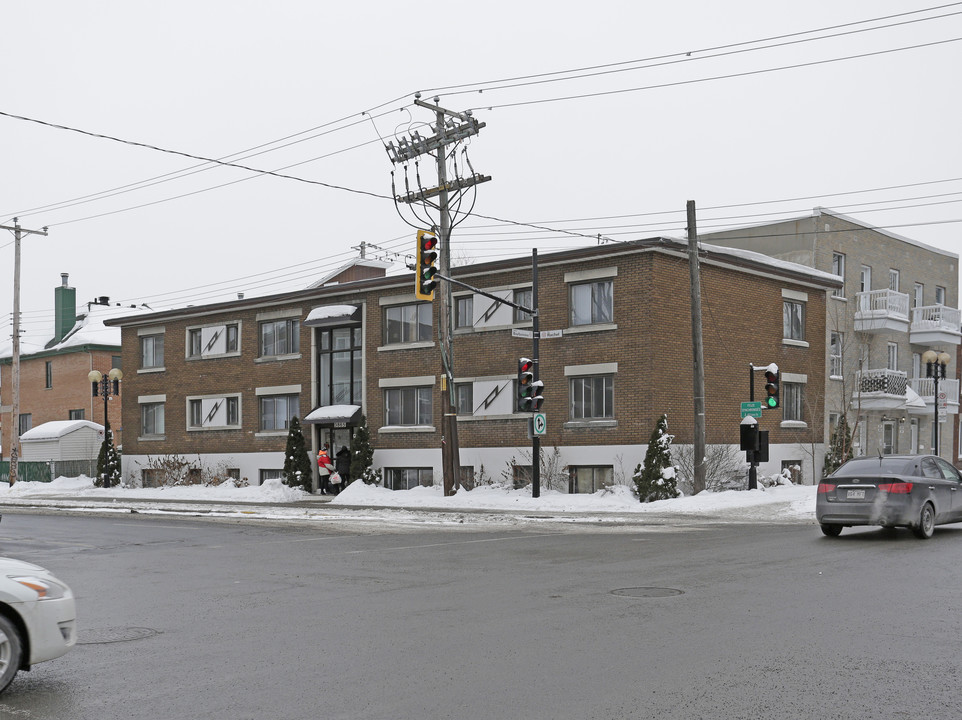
427, 257
771, 389
529, 389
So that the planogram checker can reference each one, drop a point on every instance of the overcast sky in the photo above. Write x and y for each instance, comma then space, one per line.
765, 125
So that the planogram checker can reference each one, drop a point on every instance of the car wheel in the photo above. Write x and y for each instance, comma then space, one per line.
11, 650
926, 525
831, 529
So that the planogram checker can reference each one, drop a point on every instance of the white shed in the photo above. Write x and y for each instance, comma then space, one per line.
62, 440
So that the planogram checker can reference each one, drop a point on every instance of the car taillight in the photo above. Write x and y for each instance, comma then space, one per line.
900, 488
825, 488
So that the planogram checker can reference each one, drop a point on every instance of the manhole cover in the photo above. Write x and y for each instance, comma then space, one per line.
97, 636
647, 592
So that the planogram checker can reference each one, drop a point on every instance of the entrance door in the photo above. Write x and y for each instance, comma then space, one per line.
889, 438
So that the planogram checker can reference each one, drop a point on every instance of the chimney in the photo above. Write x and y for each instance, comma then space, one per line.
65, 309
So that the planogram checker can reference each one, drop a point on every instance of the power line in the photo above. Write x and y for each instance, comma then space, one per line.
590, 71
747, 73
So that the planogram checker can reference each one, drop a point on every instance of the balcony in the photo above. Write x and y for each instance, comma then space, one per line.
936, 325
881, 311
880, 390
925, 387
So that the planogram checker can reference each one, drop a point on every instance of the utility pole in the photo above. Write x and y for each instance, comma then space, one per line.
451, 127
18, 232
698, 351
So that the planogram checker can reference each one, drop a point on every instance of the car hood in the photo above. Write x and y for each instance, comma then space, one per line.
10, 565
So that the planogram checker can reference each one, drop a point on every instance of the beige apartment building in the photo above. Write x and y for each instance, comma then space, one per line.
900, 299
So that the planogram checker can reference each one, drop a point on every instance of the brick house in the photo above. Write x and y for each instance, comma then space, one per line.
220, 382
54, 363
900, 298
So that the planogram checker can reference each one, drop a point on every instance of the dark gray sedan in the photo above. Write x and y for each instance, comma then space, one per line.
915, 491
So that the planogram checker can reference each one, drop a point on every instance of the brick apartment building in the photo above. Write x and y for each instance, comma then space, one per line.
55, 359
220, 382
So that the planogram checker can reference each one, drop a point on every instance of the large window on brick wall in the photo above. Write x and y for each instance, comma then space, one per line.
152, 351
280, 337
276, 411
408, 406
152, 419
408, 323
591, 303
592, 397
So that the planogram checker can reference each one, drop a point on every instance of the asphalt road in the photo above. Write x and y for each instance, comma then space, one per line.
192, 618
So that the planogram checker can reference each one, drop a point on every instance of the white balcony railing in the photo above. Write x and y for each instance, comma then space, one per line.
881, 310
936, 325
925, 387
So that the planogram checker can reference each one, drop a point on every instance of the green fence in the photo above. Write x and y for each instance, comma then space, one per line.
28, 471
46, 470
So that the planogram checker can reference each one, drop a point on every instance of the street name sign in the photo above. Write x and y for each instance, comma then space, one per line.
752, 409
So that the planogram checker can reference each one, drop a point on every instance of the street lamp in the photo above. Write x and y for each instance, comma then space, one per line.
935, 368
106, 385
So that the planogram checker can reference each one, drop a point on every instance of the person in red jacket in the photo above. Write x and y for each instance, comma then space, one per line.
324, 469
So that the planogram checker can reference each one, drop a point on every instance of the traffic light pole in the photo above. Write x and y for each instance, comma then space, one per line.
752, 454
535, 336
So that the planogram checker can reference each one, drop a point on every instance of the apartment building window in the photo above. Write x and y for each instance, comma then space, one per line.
408, 406
838, 268
152, 351
522, 297
592, 398
152, 419
592, 303
916, 365
76, 414
48, 374
793, 320
408, 323
893, 356
865, 279
212, 341
792, 401
276, 411
340, 365
407, 478
939, 295
280, 337
589, 478
918, 295
212, 413
894, 280
25, 423
835, 355
464, 395
464, 311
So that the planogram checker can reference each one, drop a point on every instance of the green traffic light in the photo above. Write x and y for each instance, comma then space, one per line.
771, 402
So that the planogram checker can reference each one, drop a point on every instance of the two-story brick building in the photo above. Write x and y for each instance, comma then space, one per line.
220, 382
55, 360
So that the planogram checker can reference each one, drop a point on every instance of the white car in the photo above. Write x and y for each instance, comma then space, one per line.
38, 618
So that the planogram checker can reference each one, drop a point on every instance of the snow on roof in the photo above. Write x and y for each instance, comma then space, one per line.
770, 261
56, 429
89, 329
330, 311
331, 412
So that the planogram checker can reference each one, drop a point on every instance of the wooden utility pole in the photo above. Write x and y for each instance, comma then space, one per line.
697, 351
450, 128
18, 232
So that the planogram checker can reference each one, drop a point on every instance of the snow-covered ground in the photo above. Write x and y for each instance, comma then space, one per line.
779, 504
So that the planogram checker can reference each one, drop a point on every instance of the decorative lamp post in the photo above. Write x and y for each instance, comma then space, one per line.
105, 385
935, 368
